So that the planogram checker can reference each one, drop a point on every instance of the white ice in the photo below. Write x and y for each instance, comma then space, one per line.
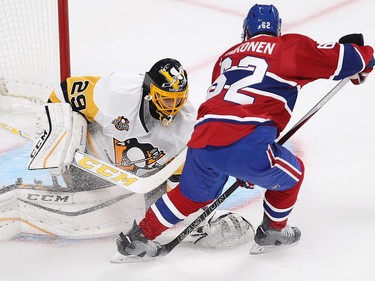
335, 210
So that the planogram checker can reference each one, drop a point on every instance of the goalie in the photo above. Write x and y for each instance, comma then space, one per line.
137, 122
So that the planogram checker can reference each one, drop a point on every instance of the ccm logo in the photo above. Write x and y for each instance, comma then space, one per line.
47, 197
106, 171
39, 144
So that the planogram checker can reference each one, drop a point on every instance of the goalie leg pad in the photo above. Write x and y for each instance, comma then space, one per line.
59, 133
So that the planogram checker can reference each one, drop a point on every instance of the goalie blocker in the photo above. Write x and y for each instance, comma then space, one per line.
60, 132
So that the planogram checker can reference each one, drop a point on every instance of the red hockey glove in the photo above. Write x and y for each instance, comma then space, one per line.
245, 184
361, 77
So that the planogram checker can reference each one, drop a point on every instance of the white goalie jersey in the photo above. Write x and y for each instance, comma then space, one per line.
121, 130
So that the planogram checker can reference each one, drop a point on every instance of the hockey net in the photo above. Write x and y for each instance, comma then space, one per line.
34, 53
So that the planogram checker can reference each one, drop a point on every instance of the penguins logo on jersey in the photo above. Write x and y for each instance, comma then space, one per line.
121, 123
133, 156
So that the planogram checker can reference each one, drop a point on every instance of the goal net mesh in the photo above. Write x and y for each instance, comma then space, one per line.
29, 53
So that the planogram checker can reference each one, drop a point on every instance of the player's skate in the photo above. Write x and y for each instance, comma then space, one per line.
134, 247
268, 239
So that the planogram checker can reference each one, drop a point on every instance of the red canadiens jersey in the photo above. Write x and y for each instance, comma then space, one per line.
256, 83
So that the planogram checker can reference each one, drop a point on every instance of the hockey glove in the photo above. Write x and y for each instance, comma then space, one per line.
357, 38
361, 77
354, 38
245, 184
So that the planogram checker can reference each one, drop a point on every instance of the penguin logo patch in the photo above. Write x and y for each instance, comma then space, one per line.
133, 156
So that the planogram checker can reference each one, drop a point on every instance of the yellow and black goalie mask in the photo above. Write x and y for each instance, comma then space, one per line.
168, 89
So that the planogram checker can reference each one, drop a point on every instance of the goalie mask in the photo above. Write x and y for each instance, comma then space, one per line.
166, 85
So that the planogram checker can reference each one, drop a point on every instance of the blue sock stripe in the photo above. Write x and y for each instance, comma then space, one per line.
166, 212
277, 214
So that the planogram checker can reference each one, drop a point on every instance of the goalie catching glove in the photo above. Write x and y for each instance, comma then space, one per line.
60, 132
223, 230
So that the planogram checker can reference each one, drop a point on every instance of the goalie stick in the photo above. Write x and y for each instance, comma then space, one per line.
112, 173
167, 248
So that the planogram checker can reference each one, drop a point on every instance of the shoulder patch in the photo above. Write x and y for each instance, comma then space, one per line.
121, 123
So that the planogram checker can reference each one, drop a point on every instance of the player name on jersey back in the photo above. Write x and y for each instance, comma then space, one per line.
254, 46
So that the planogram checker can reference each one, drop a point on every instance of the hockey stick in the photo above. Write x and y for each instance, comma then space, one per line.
112, 173
167, 248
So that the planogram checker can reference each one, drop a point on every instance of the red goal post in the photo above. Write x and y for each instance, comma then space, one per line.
34, 53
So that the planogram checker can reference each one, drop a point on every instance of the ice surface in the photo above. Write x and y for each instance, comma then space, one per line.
335, 210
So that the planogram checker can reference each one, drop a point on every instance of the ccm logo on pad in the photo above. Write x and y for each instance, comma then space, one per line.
112, 174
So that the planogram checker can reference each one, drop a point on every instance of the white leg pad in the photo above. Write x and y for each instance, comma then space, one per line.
59, 133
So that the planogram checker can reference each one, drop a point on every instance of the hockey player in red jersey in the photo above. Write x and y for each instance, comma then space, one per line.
255, 85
